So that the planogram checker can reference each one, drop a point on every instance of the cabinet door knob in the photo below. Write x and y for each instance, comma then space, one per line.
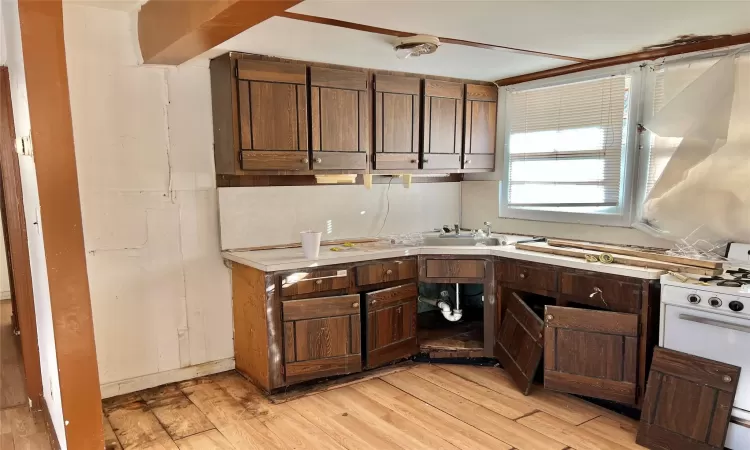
318, 160
355, 305
389, 272
425, 160
304, 160
727, 379
373, 302
318, 281
413, 161
468, 161
522, 276
550, 317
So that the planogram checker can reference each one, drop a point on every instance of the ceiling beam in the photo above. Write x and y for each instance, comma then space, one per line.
402, 34
647, 55
174, 31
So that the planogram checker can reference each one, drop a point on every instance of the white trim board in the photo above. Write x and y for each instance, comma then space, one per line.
171, 376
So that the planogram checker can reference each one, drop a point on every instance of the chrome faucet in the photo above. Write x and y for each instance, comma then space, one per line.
488, 231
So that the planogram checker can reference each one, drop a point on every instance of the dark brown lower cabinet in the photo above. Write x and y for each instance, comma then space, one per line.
520, 342
321, 337
688, 402
391, 324
591, 353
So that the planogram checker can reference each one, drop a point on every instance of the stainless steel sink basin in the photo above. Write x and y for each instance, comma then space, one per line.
459, 240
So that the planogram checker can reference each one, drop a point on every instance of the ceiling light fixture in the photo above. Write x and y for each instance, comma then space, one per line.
414, 46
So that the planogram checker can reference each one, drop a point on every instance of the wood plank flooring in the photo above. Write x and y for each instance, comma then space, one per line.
20, 428
422, 407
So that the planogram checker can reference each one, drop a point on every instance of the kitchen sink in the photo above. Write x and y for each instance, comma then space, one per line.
459, 240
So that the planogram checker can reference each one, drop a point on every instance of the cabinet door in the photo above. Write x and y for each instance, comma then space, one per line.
397, 115
688, 402
519, 342
591, 353
272, 115
321, 337
340, 119
443, 124
391, 331
480, 128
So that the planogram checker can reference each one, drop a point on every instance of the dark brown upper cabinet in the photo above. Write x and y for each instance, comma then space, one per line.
397, 115
481, 127
340, 119
272, 100
443, 124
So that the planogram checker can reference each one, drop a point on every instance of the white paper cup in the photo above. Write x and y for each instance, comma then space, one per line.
311, 243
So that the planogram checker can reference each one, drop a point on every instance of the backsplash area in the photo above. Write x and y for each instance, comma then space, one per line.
259, 216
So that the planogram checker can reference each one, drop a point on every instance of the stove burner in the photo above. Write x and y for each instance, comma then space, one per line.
740, 273
728, 282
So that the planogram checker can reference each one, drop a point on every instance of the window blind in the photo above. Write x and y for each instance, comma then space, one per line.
566, 144
670, 80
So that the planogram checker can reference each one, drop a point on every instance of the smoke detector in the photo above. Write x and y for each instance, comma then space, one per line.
414, 46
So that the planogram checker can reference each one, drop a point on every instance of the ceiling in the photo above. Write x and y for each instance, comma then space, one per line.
585, 29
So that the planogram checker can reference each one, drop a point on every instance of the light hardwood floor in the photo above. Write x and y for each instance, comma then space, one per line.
20, 428
421, 407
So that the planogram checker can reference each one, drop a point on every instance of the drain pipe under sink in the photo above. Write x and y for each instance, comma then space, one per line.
452, 315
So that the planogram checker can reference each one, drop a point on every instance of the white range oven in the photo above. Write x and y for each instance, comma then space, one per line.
713, 322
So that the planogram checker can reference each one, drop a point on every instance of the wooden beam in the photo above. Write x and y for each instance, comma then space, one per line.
43, 44
709, 44
174, 31
397, 33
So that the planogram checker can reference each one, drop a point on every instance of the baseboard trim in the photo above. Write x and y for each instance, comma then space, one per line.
170, 376
53, 441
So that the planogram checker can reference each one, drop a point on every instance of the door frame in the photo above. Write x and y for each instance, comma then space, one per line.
14, 229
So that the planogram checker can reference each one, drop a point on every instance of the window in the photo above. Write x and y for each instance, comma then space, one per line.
567, 148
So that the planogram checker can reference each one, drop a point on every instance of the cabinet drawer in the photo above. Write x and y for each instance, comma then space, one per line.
601, 292
313, 281
281, 160
339, 161
527, 276
454, 268
388, 298
386, 271
475, 161
312, 308
441, 161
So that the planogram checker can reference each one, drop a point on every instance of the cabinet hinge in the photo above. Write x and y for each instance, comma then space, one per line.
236, 70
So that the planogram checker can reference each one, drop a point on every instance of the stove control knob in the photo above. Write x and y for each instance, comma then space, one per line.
694, 298
736, 306
714, 301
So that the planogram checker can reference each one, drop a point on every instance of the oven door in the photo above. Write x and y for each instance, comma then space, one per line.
713, 336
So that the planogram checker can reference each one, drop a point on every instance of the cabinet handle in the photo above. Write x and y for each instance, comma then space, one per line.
425, 160
550, 317
468, 161
318, 160
304, 160
726, 379
373, 302
318, 281
355, 305
413, 161
389, 272
522, 276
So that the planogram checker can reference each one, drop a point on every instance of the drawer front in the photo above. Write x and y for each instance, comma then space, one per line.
454, 268
529, 276
386, 271
602, 292
313, 281
388, 298
280, 160
313, 308
339, 160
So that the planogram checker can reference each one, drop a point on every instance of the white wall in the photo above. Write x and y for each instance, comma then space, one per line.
259, 216
160, 293
480, 195
45, 332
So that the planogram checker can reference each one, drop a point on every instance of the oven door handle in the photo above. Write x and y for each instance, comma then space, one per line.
715, 323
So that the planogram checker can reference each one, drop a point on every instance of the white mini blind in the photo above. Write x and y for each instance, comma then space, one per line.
566, 144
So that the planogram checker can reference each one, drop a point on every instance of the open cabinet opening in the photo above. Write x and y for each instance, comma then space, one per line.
451, 320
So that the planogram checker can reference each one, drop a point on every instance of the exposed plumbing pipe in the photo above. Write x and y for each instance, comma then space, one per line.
450, 314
